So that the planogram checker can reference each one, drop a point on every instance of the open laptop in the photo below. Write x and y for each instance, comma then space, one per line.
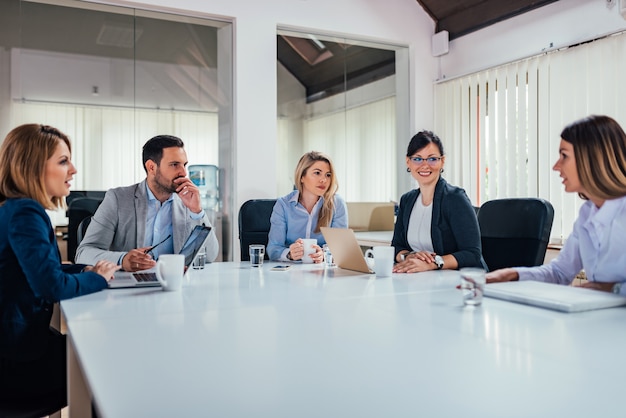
554, 296
345, 249
147, 278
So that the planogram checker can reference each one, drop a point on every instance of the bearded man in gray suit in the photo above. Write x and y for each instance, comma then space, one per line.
163, 209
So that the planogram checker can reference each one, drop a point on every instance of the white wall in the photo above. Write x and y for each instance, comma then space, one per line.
396, 21
560, 24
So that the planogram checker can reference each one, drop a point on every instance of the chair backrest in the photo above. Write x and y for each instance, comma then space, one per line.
78, 209
515, 232
36, 406
254, 224
82, 228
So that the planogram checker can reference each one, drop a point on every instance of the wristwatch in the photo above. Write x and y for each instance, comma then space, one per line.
439, 262
617, 287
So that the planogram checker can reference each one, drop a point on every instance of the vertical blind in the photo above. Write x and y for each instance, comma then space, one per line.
107, 142
501, 127
359, 140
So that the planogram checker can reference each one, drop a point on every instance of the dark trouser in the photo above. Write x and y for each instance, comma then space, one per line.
45, 376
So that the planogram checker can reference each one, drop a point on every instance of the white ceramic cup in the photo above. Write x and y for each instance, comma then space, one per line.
309, 249
472, 285
170, 270
382, 261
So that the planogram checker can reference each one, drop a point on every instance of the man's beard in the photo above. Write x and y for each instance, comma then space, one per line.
166, 187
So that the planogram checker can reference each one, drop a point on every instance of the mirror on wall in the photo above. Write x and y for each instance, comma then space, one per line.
348, 99
113, 77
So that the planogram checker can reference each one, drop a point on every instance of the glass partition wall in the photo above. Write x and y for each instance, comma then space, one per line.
350, 100
113, 77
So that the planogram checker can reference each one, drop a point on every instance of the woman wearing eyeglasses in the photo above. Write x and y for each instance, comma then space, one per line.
592, 163
436, 226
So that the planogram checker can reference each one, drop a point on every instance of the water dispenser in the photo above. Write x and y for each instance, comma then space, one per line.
205, 176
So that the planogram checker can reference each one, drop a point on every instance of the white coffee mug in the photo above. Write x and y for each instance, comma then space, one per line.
309, 248
170, 270
382, 263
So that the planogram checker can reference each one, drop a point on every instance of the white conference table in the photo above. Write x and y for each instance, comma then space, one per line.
313, 342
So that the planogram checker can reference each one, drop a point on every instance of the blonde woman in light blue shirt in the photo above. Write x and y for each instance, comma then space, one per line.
301, 213
592, 163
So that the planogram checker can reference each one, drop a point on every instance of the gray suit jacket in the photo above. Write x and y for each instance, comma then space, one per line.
118, 226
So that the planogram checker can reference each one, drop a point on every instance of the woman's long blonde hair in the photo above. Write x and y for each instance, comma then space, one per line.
328, 208
23, 157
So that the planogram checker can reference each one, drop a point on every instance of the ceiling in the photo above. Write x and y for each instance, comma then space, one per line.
329, 68
461, 17
324, 68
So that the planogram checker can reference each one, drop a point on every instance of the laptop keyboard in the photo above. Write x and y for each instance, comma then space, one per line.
145, 277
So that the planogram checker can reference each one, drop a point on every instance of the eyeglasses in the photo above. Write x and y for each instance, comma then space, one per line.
429, 160
149, 250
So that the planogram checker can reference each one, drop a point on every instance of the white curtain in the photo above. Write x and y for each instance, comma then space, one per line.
361, 142
107, 142
501, 127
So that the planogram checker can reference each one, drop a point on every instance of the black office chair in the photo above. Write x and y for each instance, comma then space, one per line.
515, 232
254, 224
78, 210
31, 408
82, 229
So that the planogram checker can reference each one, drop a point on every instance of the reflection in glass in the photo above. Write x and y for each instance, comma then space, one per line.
111, 78
345, 98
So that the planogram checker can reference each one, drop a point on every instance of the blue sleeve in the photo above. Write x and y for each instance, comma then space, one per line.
278, 232
34, 245
340, 217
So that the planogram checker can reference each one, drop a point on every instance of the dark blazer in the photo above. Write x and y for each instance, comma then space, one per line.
32, 279
454, 228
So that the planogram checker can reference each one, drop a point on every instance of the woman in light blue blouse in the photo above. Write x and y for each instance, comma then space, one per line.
301, 213
592, 163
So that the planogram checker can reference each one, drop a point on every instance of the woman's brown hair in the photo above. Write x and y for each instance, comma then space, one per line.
23, 157
599, 145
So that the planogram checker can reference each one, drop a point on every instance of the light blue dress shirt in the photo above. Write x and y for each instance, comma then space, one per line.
596, 245
290, 221
159, 225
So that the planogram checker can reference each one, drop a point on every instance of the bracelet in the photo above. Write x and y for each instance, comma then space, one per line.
289, 256
403, 256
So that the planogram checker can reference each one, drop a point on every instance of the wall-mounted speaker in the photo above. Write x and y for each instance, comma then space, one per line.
440, 42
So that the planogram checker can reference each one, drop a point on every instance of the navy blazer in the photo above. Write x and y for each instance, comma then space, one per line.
32, 279
454, 227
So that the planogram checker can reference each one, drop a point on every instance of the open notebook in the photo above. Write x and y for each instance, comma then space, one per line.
147, 278
554, 296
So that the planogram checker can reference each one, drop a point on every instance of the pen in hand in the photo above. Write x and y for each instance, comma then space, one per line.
154, 246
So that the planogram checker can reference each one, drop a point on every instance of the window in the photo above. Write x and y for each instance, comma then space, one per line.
501, 126
348, 99
112, 78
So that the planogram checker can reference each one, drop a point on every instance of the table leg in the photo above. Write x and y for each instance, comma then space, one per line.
78, 397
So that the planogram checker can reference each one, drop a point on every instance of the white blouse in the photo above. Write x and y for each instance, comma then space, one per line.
597, 244
418, 232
